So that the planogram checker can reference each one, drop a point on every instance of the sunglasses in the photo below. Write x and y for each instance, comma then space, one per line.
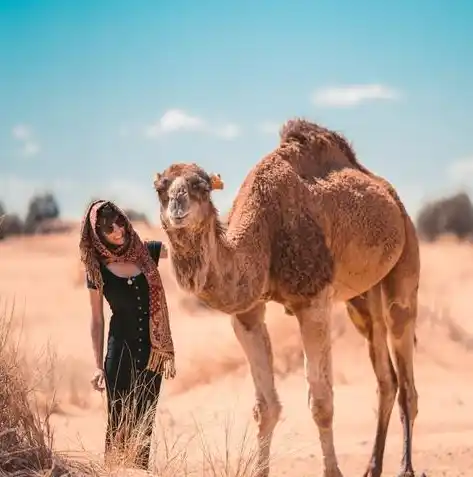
106, 224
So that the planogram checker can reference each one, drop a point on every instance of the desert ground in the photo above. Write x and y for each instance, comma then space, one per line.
42, 278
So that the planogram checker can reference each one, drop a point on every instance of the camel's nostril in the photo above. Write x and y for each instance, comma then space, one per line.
178, 208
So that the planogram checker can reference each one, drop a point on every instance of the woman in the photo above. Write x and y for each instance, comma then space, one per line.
140, 349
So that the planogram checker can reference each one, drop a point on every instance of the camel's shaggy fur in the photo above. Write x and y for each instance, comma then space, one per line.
309, 225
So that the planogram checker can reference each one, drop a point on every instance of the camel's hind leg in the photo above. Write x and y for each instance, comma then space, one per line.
366, 312
314, 324
400, 288
253, 336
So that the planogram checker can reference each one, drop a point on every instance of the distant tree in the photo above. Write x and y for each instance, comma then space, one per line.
10, 224
448, 215
41, 207
2, 219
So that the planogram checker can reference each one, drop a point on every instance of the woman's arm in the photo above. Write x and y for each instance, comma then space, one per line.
97, 326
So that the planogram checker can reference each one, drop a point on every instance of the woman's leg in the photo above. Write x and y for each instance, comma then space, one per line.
132, 397
117, 382
149, 385
114, 412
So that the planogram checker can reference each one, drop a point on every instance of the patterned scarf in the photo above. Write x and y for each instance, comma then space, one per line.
93, 250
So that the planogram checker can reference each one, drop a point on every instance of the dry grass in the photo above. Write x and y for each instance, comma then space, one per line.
26, 436
170, 454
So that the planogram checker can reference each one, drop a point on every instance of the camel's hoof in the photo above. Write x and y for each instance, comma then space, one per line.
411, 474
262, 472
373, 470
372, 473
333, 473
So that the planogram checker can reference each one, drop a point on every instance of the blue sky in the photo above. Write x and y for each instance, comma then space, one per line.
95, 96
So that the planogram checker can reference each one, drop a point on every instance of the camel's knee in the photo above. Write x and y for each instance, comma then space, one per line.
400, 321
321, 405
387, 389
266, 416
386, 376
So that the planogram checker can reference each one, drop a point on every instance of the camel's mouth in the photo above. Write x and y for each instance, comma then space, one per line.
178, 220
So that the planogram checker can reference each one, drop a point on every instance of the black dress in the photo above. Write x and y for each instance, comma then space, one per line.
130, 387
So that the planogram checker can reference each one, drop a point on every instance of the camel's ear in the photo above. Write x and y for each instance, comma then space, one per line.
157, 177
216, 182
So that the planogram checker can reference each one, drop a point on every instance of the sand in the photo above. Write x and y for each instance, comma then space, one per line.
42, 275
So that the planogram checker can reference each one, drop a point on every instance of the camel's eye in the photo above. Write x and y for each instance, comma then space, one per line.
196, 184
161, 188
162, 185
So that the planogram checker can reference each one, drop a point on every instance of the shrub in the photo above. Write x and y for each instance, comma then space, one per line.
449, 215
10, 224
41, 207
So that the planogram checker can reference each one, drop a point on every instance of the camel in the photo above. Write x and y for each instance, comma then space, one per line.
310, 226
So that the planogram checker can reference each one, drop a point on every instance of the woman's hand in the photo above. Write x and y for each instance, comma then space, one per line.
98, 380
164, 251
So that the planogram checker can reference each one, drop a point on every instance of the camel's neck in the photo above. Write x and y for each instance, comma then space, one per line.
222, 270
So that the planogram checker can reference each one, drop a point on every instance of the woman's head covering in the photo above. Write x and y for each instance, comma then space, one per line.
94, 249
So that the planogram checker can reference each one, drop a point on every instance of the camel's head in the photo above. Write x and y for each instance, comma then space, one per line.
184, 194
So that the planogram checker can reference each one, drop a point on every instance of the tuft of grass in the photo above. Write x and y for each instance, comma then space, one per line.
26, 437
170, 453
221, 463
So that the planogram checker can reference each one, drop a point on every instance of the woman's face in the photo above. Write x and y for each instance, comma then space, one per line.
112, 229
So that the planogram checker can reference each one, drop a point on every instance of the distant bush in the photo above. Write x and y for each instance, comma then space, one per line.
449, 215
41, 208
10, 224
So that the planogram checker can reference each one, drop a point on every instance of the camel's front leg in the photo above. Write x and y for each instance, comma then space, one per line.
314, 324
253, 336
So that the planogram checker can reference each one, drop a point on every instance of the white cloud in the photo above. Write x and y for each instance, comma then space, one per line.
461, 170
21, 132
175, 120
228, 131
24, 135
352, 95
31, 149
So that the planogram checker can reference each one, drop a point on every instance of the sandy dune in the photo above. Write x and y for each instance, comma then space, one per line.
43, 277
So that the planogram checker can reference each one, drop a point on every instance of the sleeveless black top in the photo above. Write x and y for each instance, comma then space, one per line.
128, 337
